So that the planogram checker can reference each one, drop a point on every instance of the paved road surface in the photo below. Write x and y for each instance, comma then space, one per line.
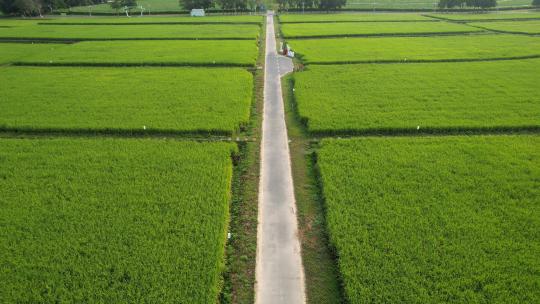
280, 276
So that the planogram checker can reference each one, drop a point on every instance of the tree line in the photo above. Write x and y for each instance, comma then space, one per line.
483, 4
222, 4
38, 7
309, 4
253, 4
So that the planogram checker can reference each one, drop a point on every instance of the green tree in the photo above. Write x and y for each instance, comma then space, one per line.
232, 4
483, 4
116, 5
536, 3
191, 4
331, 4
21, 7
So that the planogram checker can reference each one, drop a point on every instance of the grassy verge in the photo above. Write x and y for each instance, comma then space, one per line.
321, 273
320, 268
242, 247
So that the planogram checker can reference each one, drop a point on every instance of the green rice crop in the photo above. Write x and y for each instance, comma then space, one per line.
525, 27
110, 32
425, 4
13, 22
310, 18
338, 99
185, 100
307, 30
155, 19
112, 220
10, 52
172, 52
435, 220
358, 49
490, 16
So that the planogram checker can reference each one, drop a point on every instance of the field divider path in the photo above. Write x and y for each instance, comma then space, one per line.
279, 270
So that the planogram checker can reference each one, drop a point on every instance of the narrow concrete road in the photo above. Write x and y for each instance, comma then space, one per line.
280, 275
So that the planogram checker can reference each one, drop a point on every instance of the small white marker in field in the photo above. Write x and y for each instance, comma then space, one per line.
293, 89
417, 127
229, 235
144, 127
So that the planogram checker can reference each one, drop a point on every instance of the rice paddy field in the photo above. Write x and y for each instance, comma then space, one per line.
425, 4
117, 154
136, 31
521, 27
490, 16
116, 166
439, 48
417, 209
141, 52
152, 6
431, 220
183, 100
10, 52
112, 220
350, 17
247, 19
336, 29
445, 96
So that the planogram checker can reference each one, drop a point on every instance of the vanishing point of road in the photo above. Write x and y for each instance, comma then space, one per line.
280, 275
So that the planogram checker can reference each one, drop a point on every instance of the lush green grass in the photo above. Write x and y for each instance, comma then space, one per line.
112, 220
440, 96
10, 52
154, 19
152, 5
527, 27
106, 32
490, 16
127, 99
293, 30
359, 17
210, 52
435, 220
15, 22
415, 48
425, 4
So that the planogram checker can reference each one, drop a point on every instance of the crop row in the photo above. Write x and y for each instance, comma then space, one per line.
521, 27
112, 220
314, 30
355, 99
140, 52
434, 220
365, 17
493, 16
138, 31
156, 20
179, 100
392, 49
